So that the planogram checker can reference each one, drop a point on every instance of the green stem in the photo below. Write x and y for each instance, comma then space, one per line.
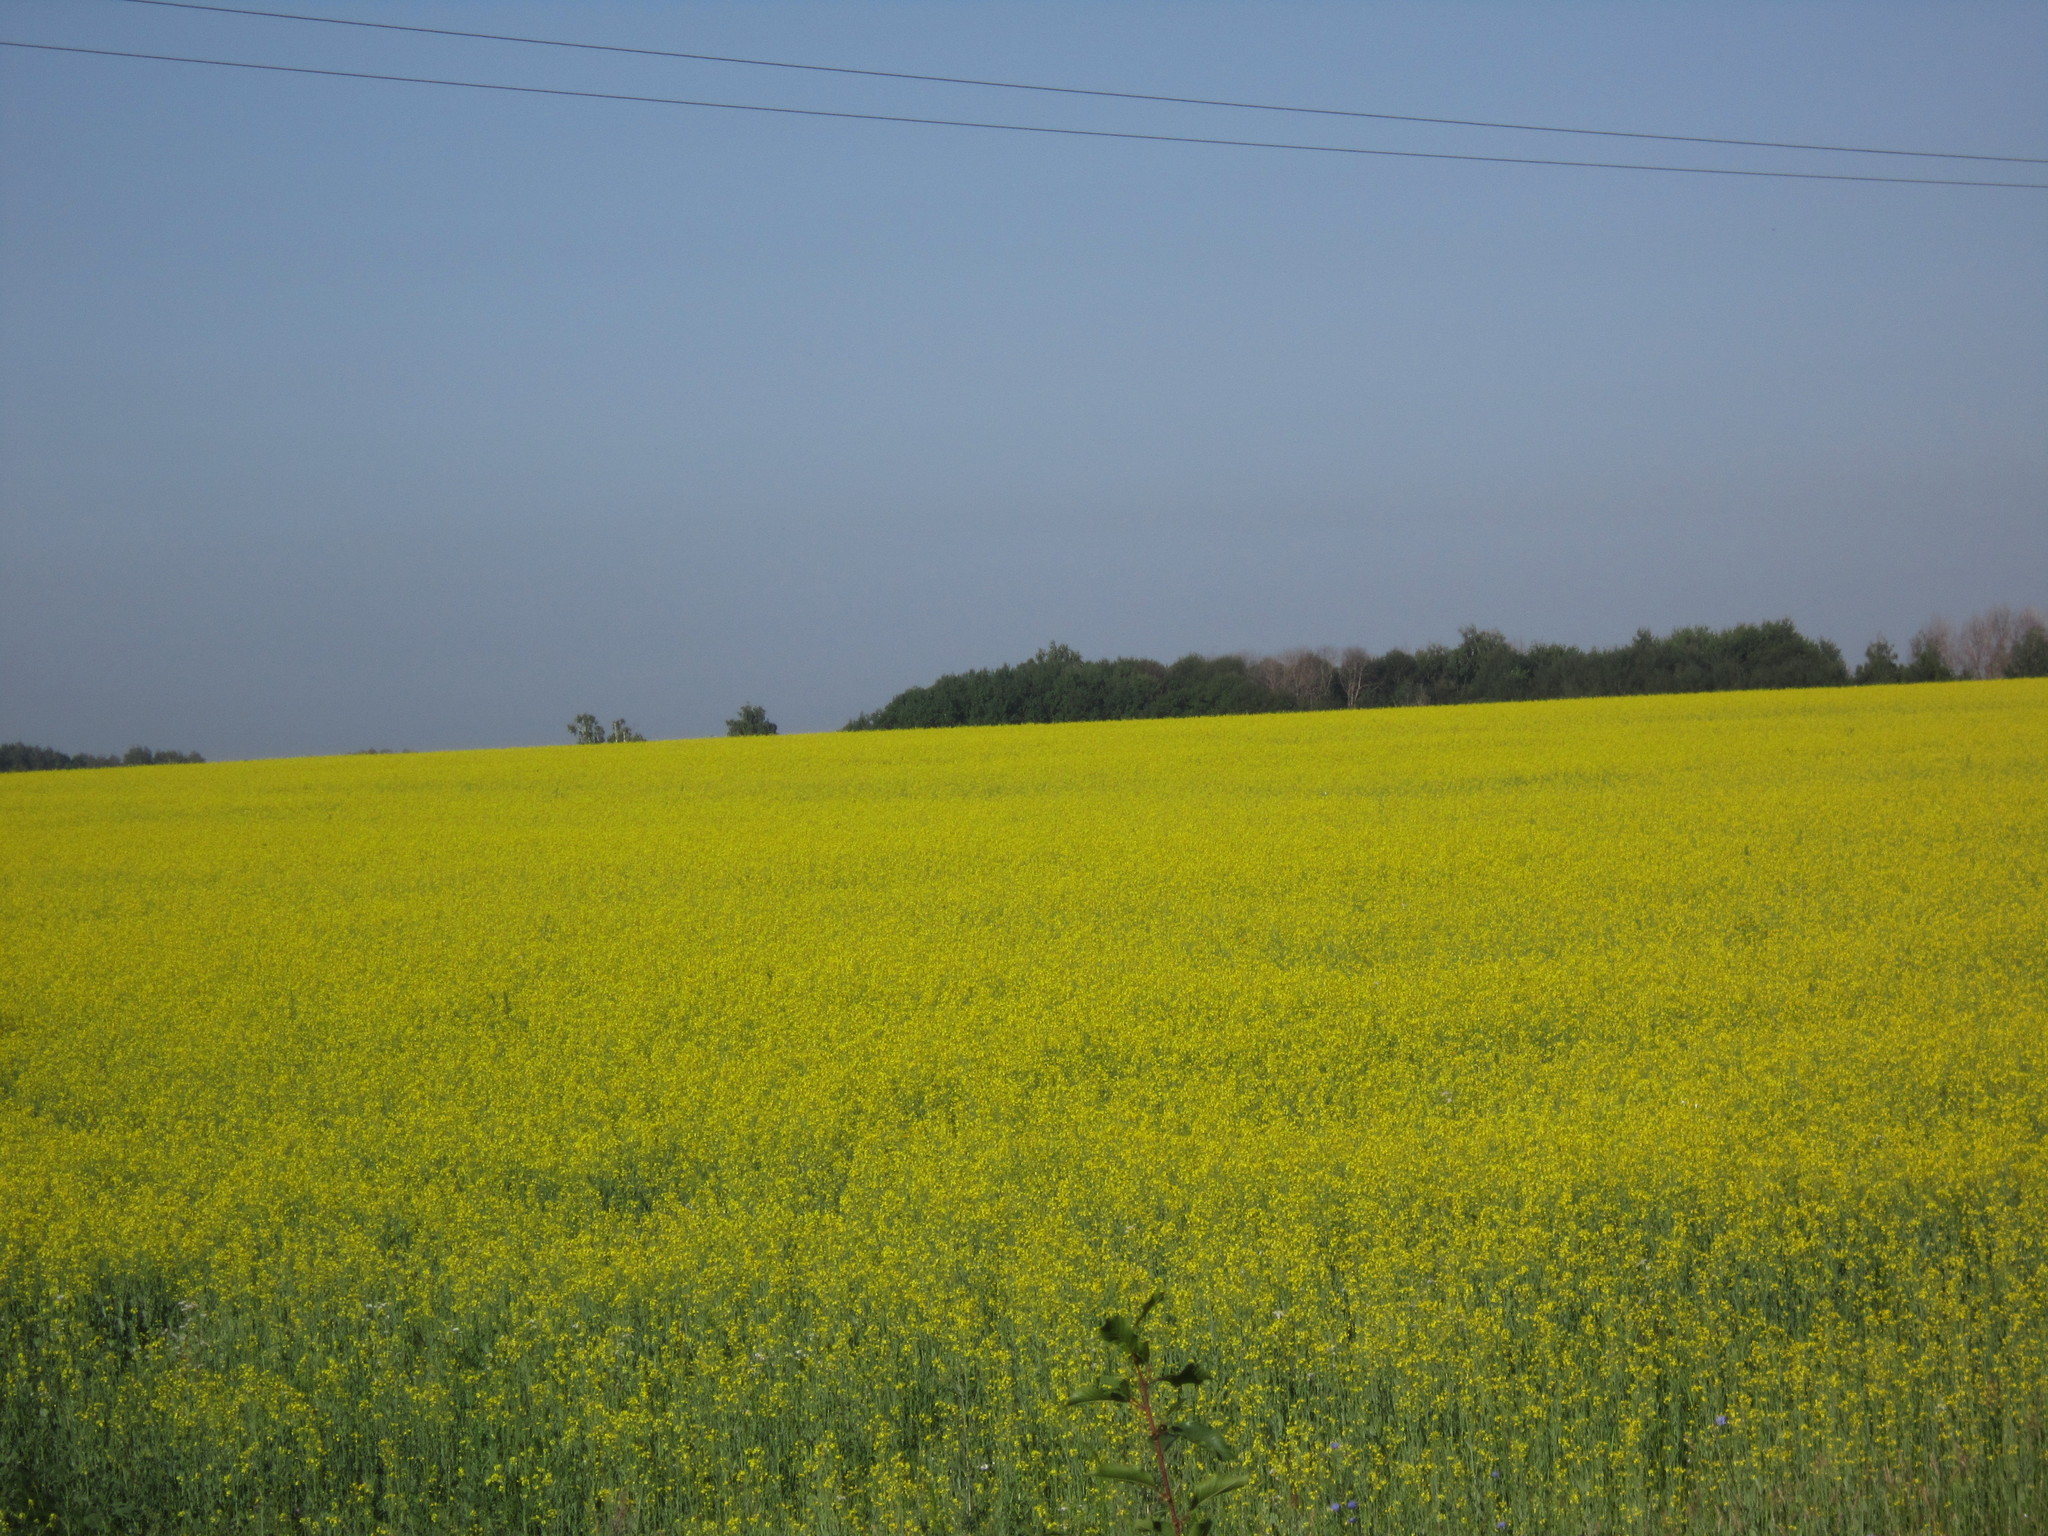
1158, 1438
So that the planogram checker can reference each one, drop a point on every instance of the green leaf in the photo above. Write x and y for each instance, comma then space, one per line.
1150, 1302
1118, 1331
1213, 1487
1102, 1392
1136, 1475
1198, 1433
1204, 1526
1189, 1375
1140, 1352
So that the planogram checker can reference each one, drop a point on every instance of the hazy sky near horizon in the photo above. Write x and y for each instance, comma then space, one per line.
338, 414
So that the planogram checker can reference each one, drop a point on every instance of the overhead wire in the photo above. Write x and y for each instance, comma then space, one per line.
1079, 133
1075, 90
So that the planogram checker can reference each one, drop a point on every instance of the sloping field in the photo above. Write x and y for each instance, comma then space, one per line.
1624, 1115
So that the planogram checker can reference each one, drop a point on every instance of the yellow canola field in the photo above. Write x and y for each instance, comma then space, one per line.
1619, 1115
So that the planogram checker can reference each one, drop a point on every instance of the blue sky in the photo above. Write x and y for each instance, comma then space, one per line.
338, 414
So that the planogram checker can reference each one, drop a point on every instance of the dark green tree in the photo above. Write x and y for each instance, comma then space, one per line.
752, 720
1930, 657
586, 730
1880, 663
2029, 656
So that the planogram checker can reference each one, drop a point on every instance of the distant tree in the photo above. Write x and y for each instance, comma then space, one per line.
2029, 656
623, 732
752, 720
1483, 667
1200, 685
1931, 660
1392, 678
1307, 677
1985, 644
1880, 663
1354, 675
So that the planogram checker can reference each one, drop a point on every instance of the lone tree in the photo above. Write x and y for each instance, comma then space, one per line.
752, 720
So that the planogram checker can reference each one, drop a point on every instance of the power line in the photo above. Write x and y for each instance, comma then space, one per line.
1074, 133
1075, 90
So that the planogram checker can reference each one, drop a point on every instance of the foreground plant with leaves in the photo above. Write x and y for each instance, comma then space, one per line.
1167, 1435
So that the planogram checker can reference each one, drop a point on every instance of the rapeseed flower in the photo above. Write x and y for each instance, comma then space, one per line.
1620, 1114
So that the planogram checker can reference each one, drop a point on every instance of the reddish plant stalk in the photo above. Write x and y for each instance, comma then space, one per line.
1158, 1438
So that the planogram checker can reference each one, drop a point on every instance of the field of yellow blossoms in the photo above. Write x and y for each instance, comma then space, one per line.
1614, 1116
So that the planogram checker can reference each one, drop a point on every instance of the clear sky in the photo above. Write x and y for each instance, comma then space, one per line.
338, 414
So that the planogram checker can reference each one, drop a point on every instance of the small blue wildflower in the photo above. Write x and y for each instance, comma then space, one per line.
1720, 1421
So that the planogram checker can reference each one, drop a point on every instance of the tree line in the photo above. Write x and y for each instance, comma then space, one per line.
20, 757
1995, 643
1059, 684
588, 731
1484, 667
